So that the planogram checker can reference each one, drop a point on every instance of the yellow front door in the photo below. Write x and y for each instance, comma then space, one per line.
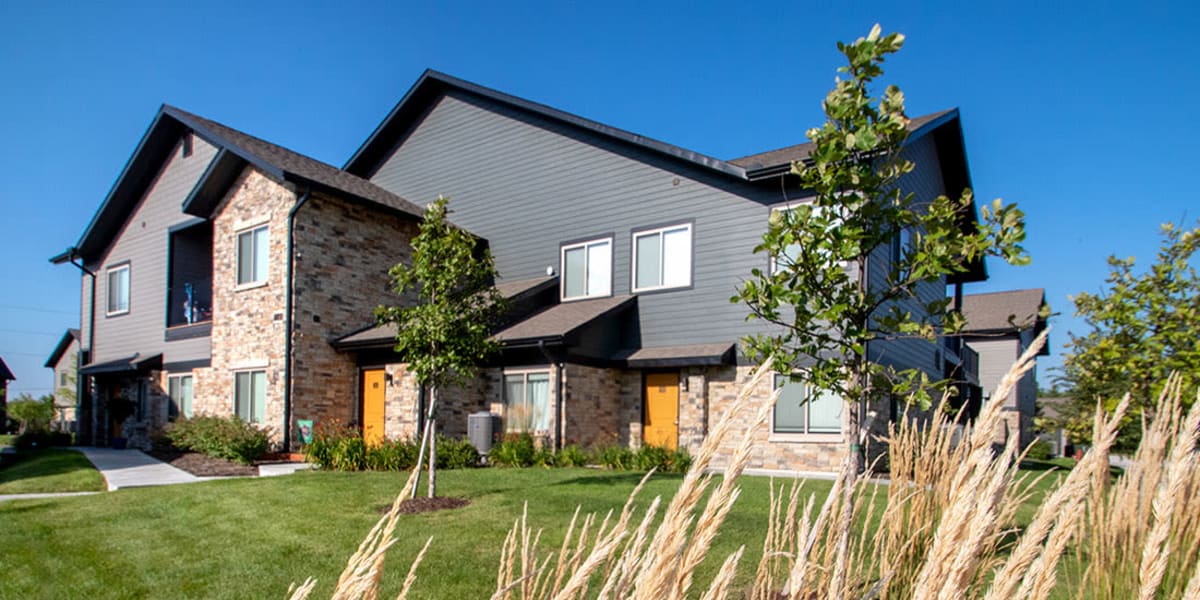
662, 410
373, 395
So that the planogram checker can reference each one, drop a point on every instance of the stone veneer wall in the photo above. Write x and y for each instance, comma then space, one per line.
593, 411
342, 253
248, 323
454, 404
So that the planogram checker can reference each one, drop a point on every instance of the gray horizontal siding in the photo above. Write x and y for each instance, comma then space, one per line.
142, 241
926, 183
996, 356
528, 185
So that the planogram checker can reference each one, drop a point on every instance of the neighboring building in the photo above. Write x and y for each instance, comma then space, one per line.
1056, 437
63, 362
213, 274
5, 377
1000, 326
619, 253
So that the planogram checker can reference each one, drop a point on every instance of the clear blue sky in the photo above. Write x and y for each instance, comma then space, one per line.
1082, 114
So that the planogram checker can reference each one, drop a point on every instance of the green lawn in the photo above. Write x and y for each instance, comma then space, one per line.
251, 538
49, 470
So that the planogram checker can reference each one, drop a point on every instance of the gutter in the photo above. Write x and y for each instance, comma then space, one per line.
558, 396
287, 321
84, 356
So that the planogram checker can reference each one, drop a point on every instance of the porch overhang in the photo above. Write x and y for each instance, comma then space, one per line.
131, 364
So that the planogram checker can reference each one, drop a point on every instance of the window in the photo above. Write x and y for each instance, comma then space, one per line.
798, 411
662, 258
587, 269
252, 256
902, 244
179, 390
62, 379
250, 395
792, 251
118, 290
527, 401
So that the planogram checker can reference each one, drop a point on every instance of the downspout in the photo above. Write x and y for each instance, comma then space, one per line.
559, 401
83, 356
287, 322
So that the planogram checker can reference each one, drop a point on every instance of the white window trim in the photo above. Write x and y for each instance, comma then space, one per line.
108, 289
525, 372
170, 399
660, 230
266, 391
250, 227
808, 438
562, 268
253, 364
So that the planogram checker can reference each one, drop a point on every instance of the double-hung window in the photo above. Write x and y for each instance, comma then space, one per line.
179, 389
527, 401
118, 290
662, 258
252, 252
587, 269
902, 245
805, 410
250, 395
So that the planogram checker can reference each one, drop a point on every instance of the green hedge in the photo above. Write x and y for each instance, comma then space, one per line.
340, 448
519, 450
223, 437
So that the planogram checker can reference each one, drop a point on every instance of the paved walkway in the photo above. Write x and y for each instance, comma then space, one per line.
134, 468
5, 497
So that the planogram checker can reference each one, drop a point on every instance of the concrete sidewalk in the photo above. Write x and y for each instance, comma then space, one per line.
134, 468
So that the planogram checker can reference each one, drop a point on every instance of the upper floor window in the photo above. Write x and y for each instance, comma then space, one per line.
118, 290
252, 250
802, 409
587, 269
788, 257
250, 395
662, 258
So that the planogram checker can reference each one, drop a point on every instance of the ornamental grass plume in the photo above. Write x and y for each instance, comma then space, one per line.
942, 526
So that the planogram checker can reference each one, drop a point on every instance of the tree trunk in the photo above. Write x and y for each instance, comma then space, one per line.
432, 458
426, 437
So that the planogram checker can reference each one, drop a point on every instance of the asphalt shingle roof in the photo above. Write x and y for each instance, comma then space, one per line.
295, 163
1003, 311
561, 319
791, 154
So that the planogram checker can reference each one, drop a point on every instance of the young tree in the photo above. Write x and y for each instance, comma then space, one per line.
817, 292
34, 415
448, 307
1144, 326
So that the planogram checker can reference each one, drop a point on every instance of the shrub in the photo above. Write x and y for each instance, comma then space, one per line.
455, 454
544, 457
349, 454
223, 437
1040, 450
618, 457
41, 439
571, 456
515, 450
392, 455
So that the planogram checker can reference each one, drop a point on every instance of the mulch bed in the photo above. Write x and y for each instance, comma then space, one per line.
421, 504
202, 465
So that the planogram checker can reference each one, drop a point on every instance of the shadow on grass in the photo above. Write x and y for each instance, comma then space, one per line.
46, 464
615, 478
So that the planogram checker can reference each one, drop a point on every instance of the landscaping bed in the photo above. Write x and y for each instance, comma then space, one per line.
202, 465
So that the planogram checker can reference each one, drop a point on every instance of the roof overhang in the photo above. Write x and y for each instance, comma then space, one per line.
64, 342
129, 364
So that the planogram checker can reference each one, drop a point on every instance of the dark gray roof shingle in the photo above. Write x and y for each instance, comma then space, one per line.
791, 154
1003, 311
561, 319
285, 161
